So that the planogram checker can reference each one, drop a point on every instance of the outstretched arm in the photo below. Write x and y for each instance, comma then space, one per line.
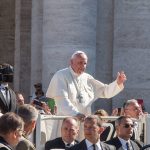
108, 90
121, 78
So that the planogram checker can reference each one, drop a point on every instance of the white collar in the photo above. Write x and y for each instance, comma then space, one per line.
3, 85
88, 143
73, 73
72, 143
123, 142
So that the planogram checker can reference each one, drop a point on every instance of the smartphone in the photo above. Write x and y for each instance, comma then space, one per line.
119, 111
36, 102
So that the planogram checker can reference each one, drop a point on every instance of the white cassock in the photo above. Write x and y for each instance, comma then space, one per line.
74, 93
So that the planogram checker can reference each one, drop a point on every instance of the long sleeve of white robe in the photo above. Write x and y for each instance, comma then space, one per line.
63, 90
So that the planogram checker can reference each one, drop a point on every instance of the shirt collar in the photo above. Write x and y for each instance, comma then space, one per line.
73, 73
123, 142
88, 143
72, 143
2, 86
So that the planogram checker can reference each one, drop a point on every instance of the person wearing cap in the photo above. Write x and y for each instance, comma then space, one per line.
38, 87
7, 95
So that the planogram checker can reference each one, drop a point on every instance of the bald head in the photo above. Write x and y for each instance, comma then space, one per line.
69, 129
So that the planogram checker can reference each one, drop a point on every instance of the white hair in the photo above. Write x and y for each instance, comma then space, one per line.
77, 53
130, 102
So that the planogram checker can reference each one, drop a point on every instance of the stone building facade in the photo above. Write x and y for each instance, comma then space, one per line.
38, 37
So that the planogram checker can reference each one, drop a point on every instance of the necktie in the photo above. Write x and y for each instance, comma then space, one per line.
127, 145
94, 147
7, 95
68, 145
6, 92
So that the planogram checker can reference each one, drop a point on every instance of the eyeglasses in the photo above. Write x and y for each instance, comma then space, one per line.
128, 125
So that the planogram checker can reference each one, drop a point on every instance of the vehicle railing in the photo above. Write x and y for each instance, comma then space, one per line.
45, 123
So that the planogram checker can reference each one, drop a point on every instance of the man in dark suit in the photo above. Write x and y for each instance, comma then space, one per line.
131, 108
69, 133
7, 95
124, 130
92, 130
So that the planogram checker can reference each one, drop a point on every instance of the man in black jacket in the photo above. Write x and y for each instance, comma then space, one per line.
69, 133
131, 108
7, 95
124, 129
92, 130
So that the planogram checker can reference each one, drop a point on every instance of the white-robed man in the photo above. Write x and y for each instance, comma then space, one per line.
74, 90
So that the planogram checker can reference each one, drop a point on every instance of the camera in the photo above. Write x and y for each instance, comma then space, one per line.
6, 73
6, 78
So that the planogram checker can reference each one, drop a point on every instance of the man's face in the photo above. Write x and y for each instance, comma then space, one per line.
133, 110
78, 63
125, 129
69, 130
15, 136
20, 99
91, 130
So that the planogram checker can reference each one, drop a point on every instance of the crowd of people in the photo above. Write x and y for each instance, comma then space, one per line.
70, 93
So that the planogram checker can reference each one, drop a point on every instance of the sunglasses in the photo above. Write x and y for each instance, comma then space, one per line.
128, 125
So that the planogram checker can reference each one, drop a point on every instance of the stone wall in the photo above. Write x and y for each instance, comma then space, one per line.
38, 37
67, 26
7, 31
131, 50
104, 48
22, 76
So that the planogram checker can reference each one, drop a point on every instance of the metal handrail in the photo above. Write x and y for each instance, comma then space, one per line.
146, 146
145, 120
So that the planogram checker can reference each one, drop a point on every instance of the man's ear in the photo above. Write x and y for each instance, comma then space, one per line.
33, 124
117, 128
101, 129
14, 134
78, 130
71, 62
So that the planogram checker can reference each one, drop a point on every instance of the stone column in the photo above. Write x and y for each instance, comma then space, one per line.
17, 46
68, 25
23, 47
7, 31
104, 53
132, 48
36, 43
